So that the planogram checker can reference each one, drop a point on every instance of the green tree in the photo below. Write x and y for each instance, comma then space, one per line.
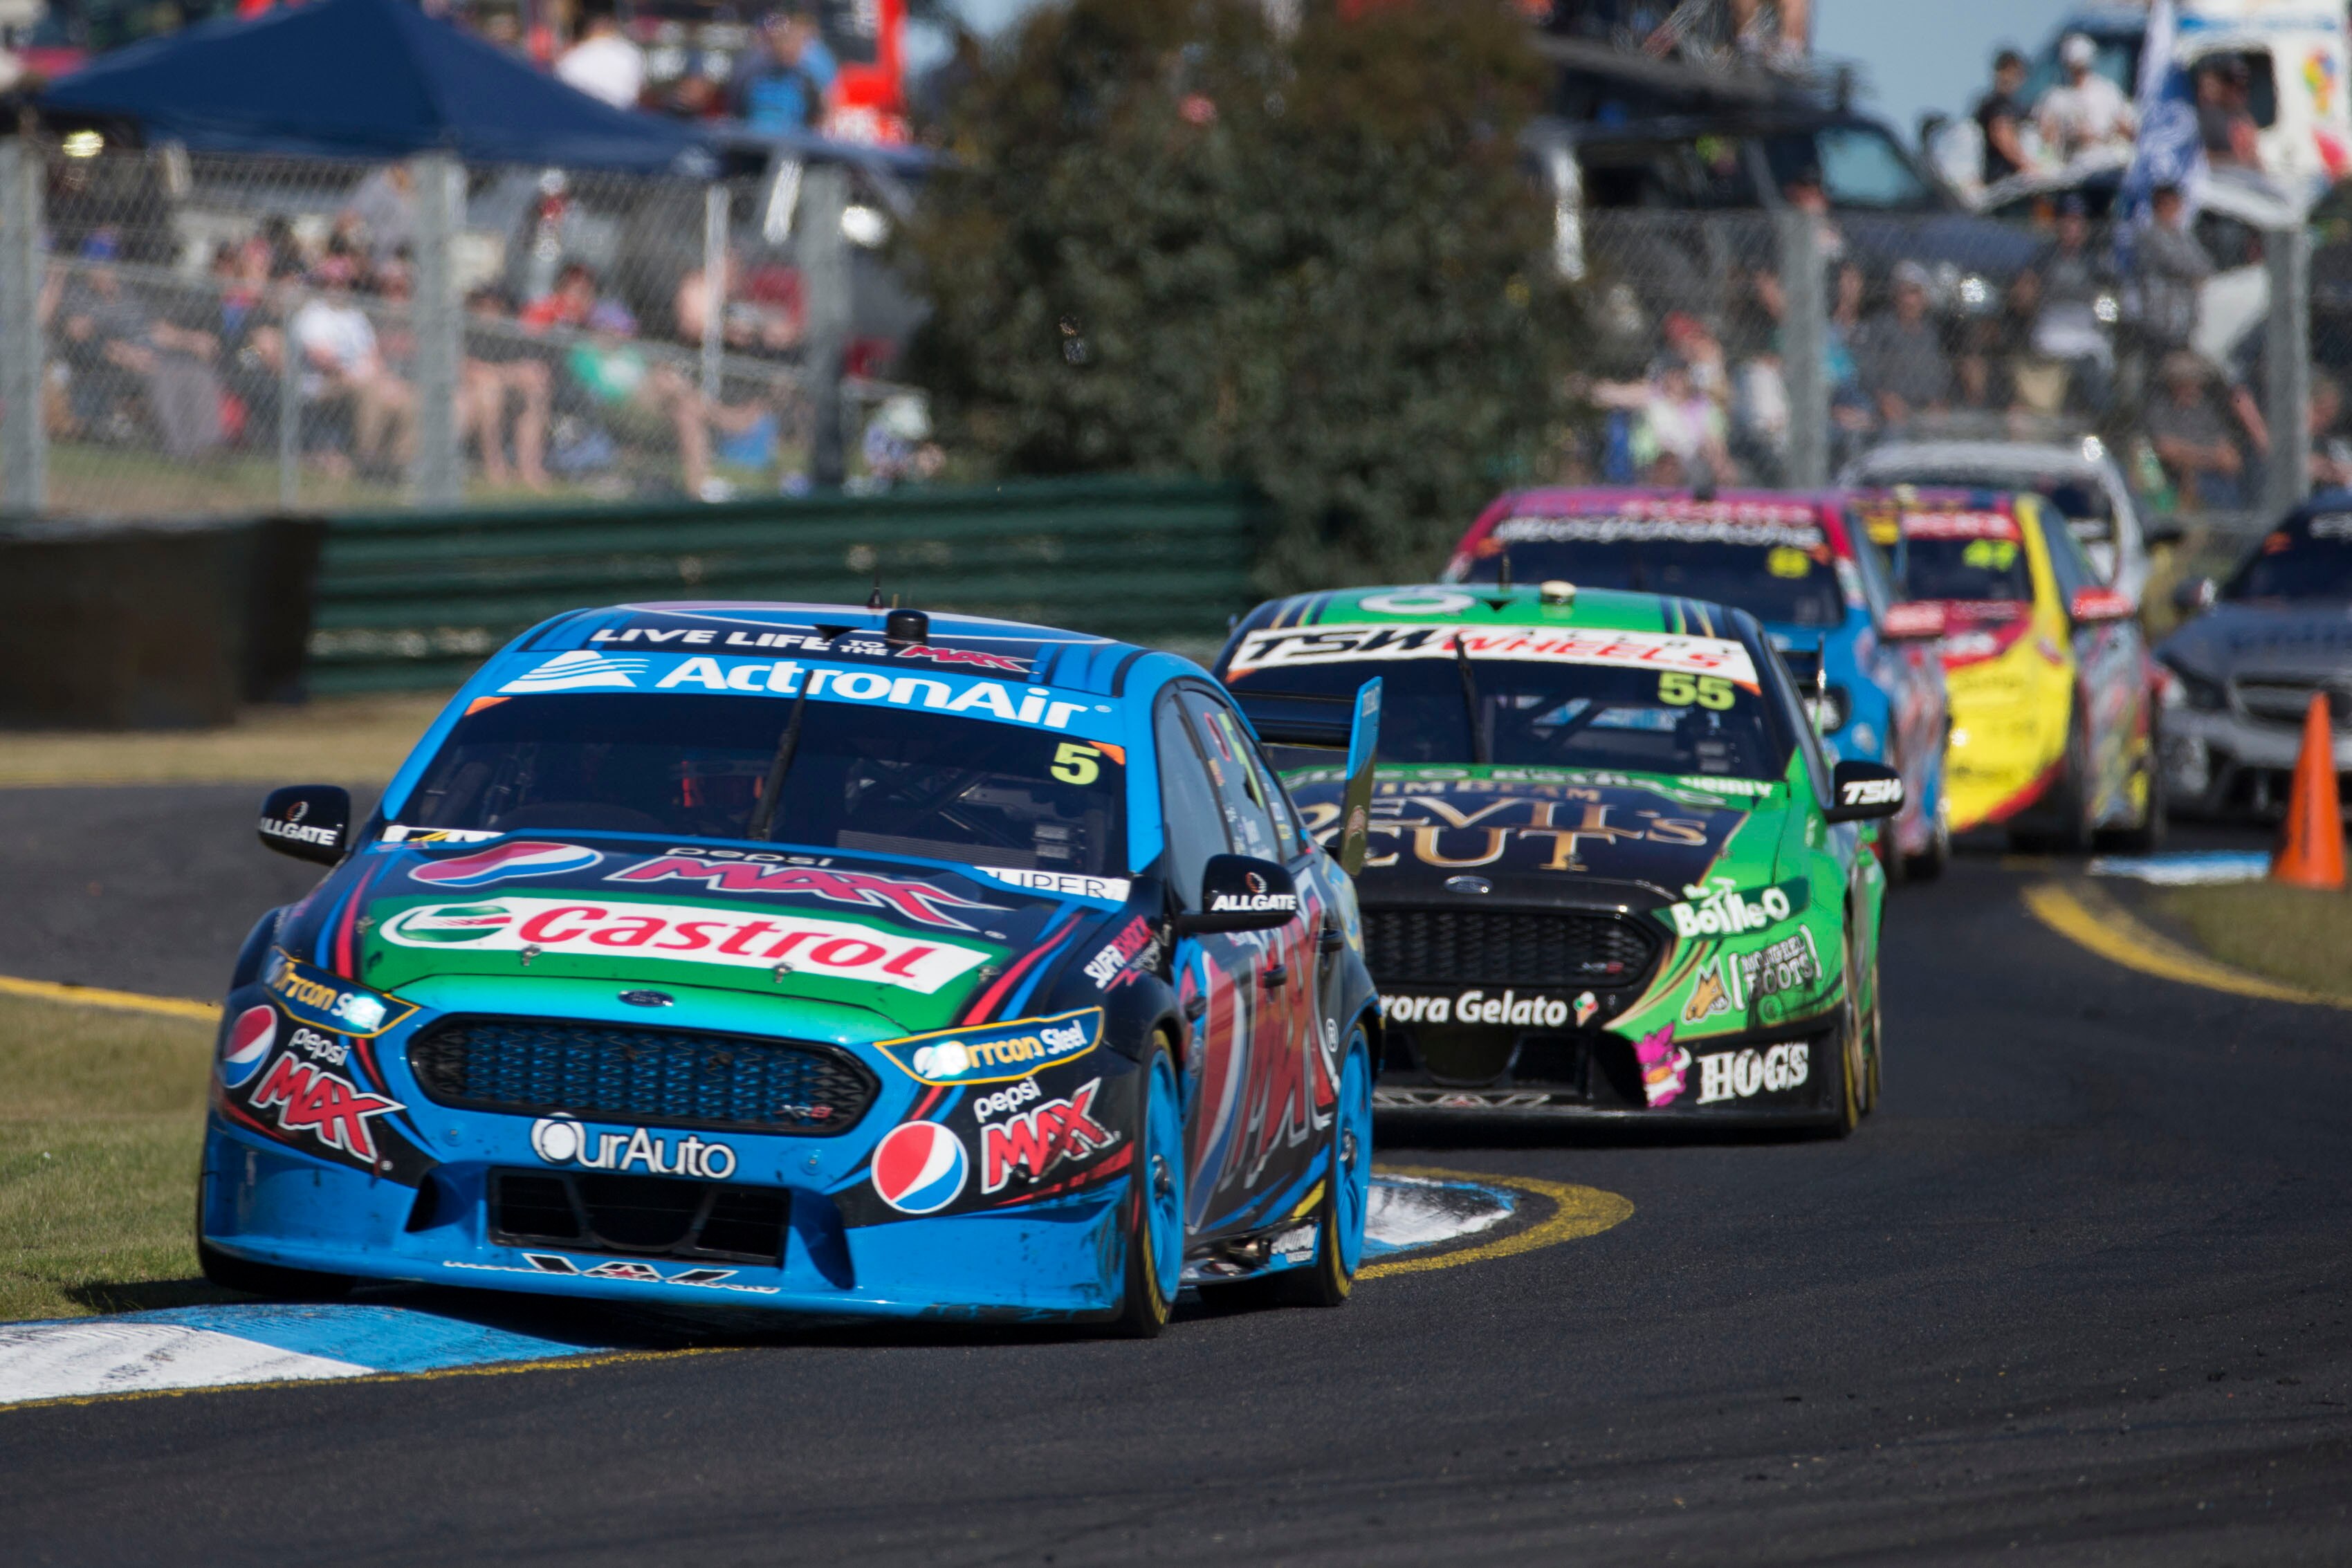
1177, 241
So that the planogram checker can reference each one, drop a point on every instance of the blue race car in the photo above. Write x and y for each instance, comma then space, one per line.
1807, 568
824, 959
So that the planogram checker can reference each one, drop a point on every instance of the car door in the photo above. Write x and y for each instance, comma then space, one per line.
1272, 972
1911, 672
2109, 659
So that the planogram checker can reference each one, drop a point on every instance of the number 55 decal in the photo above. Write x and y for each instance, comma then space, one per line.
1679, 690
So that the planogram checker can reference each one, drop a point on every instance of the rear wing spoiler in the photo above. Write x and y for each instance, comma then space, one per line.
1316, 722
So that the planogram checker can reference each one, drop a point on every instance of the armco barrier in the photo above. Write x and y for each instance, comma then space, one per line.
413, 601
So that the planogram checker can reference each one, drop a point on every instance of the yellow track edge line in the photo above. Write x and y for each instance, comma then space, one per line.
2095, 922
98, 996
1577, 1212
491, 1369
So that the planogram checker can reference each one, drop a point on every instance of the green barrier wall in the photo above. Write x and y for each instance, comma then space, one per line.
412, 600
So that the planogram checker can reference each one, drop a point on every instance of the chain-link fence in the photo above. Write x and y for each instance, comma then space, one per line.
235, 334
2188, 355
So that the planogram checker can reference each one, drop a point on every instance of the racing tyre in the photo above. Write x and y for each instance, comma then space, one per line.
1339, 1226
232, 1273
1155, 1232
1928, 864
2067, 808
1854, 1087
2147, 837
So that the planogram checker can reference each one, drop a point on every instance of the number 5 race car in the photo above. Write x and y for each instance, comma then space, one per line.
1611, 871
809, 957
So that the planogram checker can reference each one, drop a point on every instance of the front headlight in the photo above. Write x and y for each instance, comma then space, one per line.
2187, 688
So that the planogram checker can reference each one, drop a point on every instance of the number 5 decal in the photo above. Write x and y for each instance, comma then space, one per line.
1076, 764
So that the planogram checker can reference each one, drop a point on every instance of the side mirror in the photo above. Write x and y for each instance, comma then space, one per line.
1860, 791
2195, 595
1239, 893
2094, 605
309, 821
1920, 621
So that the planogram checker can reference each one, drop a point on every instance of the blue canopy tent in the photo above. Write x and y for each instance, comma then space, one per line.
364, 78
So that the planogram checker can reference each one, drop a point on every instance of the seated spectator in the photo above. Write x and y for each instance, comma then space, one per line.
123, 357
785, 74
500, 373
2172, 267
2331, 440
2086, 112
344, 368
2075, 277
2190, 440
380, 220
638, 397
603, 64
2225, 119
568, 303
1902, 353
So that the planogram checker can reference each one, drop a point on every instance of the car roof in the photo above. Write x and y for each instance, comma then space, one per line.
1486, 605
1052, 656
2005, 457
1824, 509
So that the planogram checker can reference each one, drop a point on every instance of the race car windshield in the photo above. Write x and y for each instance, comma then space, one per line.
2292, 564
861, 778
1777, 576
1980, 570
1552, 715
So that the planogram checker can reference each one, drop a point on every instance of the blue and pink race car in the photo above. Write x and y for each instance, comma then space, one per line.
840, 961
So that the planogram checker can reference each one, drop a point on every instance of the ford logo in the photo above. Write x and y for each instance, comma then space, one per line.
1468, 884
647, 998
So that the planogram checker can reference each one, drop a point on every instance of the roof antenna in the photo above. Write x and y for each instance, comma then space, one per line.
1502, 570
874, 600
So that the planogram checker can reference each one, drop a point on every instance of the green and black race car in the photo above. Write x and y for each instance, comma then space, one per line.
1611, 870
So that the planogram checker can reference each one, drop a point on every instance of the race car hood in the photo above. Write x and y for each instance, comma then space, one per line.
1541, 835
912, 942
2234, 640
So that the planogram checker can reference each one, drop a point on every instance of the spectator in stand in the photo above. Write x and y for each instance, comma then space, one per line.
1679, 432
640, 400
2172, 269
2331, 440
2085, 113
1850, 416
2000, 119
2225, 119
785, 76
500, 371
100, 329
1902, 353
2076, 279
344, 368
380, 220
1806, 193
2190, 440
605, 64
568, 303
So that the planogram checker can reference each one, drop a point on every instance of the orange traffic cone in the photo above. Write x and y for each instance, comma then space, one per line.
2311, 851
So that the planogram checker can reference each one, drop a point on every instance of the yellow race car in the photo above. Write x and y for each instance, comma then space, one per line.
2053, 693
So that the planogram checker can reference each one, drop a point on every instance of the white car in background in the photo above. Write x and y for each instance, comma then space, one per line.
2079, 479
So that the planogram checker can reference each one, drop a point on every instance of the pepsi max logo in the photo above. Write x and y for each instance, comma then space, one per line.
247, 1045
525, 857
920, 1168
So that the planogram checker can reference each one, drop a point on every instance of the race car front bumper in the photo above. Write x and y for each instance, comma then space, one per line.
2220, 763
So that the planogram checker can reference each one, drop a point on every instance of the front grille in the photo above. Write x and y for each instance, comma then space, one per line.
638, 1215
2285, 701
676, 1078
1506, 947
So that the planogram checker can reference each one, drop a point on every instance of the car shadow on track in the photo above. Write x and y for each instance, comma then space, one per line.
1401, 1134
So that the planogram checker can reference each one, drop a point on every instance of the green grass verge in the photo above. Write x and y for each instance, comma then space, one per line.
2289, 933
99, 1133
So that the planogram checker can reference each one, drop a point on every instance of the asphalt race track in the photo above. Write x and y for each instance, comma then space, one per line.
2077, 1293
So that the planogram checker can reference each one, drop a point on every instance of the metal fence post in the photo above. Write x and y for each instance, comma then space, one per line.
1804, 333
24, 441
825, 264
290, 406
714, 286
2287, 353
439, 477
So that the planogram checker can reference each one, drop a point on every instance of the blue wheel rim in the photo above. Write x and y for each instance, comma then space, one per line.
1351, 1153
1162, 1174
